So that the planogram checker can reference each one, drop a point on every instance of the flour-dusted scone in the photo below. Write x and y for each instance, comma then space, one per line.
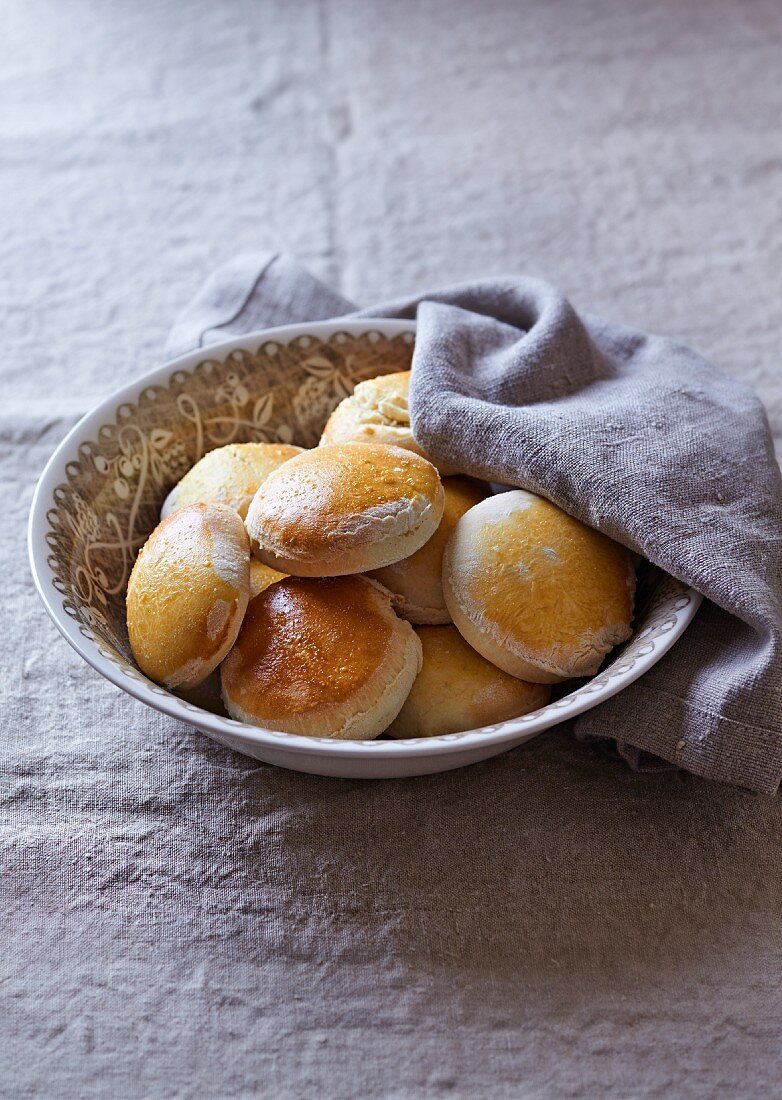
229, 475
261, 576
377, 412
325, 658
417, 581
539, 594
345, 509
187, 593
458, 689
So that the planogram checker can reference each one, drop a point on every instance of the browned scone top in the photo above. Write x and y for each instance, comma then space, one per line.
535, 591
458, 689
378, 411
228, 475
324, 658
187, 593
346, 508
417, 580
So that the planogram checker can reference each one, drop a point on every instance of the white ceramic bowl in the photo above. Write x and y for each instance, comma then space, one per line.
100, 494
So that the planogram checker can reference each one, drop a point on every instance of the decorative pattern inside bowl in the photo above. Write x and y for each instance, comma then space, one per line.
104, 512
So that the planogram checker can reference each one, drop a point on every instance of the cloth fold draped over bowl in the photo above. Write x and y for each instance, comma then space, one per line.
635, 435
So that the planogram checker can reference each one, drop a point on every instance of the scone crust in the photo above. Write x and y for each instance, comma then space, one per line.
417, 580
322, 658
229, 475
457, 689
346, 508
187, 593
261, 576
538, 593
378, 412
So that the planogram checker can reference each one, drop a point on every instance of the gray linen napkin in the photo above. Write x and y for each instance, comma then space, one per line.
635, 435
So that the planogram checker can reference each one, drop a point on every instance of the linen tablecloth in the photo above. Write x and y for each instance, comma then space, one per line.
178, 921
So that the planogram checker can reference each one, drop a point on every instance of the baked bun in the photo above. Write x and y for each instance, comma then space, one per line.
457, 689
324, 658
539, 594
187, 594
377, 412
345, 509
261, 576
228, 475
417, 581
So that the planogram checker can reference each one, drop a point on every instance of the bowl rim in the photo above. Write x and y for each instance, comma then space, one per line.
137, 685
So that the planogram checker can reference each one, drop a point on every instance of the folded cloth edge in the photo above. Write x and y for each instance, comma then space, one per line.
216, 314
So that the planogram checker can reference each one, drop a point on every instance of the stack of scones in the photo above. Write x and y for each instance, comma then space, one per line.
360, 588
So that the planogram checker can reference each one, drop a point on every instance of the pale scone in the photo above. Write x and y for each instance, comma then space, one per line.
187, 593
458, 689
345, 509
417, 581
325, 658
261, 576
377, 412
229, 475
535, 591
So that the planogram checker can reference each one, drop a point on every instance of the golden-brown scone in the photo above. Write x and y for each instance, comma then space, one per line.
417, 581
345, 509
458, 689
261, 576
187, 594
539, 594
228, 475
377, 412
324, 658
